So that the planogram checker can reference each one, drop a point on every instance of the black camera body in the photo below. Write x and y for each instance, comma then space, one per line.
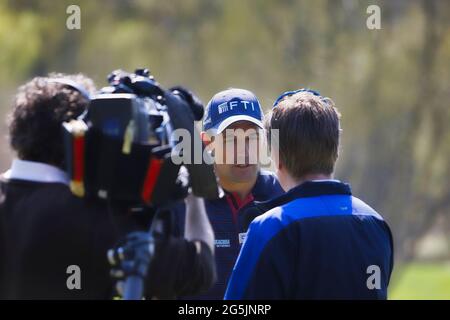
120, 149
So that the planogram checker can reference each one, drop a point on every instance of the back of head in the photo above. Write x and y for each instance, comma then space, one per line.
308, 133
40, 107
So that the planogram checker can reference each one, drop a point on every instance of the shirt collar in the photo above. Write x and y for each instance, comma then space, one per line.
257, 189
36, 172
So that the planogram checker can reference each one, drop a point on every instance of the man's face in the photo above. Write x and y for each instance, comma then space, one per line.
237, 152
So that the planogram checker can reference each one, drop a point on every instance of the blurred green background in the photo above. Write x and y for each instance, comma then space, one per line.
391, 85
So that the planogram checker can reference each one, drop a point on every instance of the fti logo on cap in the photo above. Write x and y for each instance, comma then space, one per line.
229, 106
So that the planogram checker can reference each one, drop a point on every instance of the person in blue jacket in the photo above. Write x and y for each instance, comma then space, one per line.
231, 115
317, 241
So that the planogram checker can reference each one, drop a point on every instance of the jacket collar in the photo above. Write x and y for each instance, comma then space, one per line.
36, 172
305, 190
259, 190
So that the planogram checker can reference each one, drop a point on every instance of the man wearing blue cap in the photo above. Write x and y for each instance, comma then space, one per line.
234, 116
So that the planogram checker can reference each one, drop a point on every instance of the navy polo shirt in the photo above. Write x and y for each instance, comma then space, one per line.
230, 220
316, 241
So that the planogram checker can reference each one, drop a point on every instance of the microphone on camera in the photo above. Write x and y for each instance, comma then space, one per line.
192, 100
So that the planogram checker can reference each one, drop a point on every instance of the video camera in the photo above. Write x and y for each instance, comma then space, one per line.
120, 148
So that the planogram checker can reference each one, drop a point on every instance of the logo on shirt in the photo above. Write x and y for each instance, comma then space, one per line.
242, 237
222, 243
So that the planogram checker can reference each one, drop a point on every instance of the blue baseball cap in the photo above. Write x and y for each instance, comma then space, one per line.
230, 106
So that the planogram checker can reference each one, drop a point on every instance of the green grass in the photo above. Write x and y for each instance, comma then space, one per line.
422, 281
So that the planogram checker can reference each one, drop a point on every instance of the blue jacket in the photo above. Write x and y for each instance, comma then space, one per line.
317, 242
230, 223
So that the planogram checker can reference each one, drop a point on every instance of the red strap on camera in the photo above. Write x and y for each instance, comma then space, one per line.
77, 181
151, 178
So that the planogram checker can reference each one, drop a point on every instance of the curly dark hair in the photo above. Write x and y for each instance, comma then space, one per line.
40, 107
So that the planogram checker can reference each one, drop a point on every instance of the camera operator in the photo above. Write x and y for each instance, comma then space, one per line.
46, 232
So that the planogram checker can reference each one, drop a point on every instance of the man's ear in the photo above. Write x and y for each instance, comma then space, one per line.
205, 138
280, 165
